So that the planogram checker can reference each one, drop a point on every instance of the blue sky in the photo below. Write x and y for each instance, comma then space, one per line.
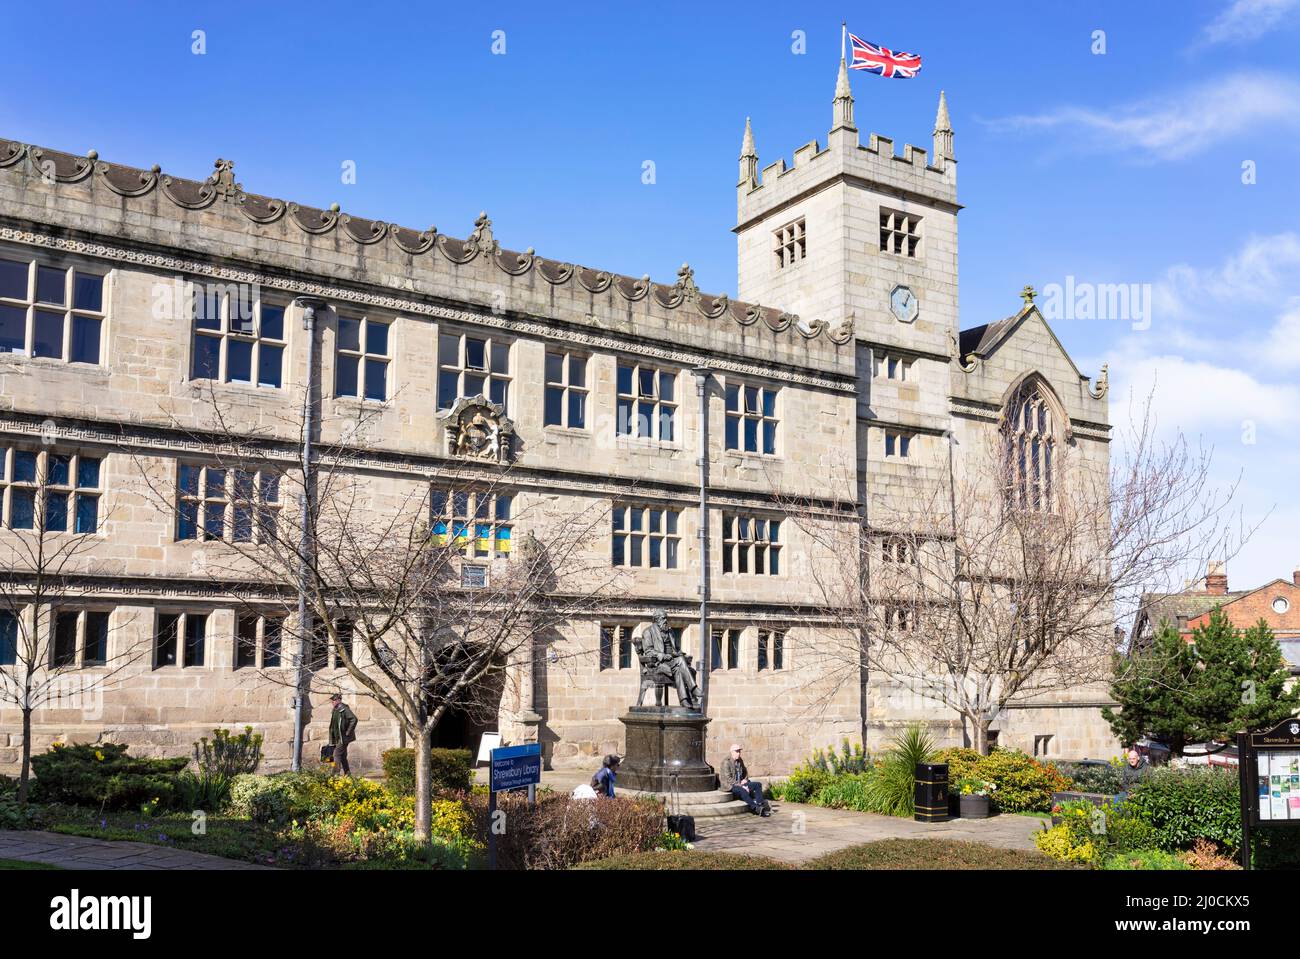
1123, 167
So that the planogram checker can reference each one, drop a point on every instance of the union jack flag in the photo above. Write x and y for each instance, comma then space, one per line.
883, 61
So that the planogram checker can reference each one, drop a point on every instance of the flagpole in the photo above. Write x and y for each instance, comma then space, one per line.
843, 34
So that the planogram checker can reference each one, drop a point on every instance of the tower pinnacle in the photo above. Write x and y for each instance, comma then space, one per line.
843, 104
942, 132
748, 158
747, 145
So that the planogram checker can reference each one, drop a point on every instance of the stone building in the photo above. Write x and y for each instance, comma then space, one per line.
843, 341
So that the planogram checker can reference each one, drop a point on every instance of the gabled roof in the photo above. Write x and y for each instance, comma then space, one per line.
1242, 594
1192, 604
981, 341
1158, 607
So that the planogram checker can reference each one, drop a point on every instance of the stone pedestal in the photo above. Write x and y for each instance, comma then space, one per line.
662, 740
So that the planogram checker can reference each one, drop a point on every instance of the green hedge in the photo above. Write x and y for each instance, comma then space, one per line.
452, 770
802, 785
846, 791
272, 800
1145, 860
102, 774
1183, 805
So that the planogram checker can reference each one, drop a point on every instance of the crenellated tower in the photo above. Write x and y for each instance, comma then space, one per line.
871, 221
855, 231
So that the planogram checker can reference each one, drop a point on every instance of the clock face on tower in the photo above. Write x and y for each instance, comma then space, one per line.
902, 303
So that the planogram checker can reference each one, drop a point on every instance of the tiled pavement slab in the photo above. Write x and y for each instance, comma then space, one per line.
79, 852
797, 833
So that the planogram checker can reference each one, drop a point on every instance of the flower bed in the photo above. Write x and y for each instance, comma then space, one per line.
308, 819
1019, 783
1172, 819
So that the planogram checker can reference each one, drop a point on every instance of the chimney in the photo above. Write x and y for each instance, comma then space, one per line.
1216, 579
1295, 576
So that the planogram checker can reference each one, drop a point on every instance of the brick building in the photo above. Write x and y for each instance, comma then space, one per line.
1277, 603
855, 349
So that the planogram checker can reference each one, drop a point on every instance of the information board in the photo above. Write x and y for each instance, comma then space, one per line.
1270, 780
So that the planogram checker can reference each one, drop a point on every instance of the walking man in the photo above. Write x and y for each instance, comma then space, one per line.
735, 777
343, 731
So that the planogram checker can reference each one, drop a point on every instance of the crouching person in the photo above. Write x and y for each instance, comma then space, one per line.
735, 777
603, 781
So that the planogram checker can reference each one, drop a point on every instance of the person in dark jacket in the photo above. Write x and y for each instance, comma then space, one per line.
603, 781
343, 732
1135, 769
735, 779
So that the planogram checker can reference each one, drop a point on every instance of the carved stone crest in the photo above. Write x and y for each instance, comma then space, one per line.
478, 429
222, 179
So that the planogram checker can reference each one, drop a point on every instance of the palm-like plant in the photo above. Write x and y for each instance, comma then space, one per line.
892, 790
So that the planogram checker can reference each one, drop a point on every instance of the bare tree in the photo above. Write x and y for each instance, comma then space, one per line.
429, 593
56, 648
1007, 583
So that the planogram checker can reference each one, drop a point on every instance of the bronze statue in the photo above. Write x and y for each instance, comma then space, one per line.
662, 664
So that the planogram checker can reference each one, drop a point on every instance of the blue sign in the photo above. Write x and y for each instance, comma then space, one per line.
515, 767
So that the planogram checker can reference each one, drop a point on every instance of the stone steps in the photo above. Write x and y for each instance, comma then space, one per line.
702, 805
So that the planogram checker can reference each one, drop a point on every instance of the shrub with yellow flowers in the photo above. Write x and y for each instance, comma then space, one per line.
1060, 842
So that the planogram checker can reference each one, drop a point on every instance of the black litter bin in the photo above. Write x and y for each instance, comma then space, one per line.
931, 792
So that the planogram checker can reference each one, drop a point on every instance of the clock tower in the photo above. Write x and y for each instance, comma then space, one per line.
855, 231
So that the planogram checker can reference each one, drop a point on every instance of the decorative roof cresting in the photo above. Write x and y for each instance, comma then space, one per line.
55, 168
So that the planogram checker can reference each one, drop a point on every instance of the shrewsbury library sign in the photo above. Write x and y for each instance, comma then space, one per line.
516, 767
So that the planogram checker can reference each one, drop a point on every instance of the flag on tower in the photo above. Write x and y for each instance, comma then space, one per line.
882, 61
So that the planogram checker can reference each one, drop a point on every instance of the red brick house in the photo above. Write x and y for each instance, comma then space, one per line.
1276, 602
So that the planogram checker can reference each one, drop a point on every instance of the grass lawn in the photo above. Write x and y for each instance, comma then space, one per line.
885, 854
24, 864
932, 854
687, 859
242, 839
225, 836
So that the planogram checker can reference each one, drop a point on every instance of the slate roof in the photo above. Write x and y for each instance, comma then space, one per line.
980, 339
1155, 608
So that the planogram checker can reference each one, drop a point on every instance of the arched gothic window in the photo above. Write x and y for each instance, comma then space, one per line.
1030, 433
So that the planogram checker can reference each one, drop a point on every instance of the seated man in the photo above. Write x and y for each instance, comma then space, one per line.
1135, 769
735, 777
663, 655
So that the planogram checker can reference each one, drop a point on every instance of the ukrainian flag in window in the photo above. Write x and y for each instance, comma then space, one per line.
482, 537
440, 533
460, 531
503, 539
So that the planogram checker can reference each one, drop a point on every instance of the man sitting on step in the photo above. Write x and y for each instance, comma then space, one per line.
735, 777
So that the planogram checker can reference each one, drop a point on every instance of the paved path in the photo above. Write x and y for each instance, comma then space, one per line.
797, 833
79, 852
826, 830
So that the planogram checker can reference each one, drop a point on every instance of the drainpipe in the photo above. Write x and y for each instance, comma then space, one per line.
309, 307
702, 374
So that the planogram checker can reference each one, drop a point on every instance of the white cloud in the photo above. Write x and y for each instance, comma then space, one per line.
1246, 20
1245, 310
1198, 397
1218, 364
1175, 125
1255, 273
1282, 346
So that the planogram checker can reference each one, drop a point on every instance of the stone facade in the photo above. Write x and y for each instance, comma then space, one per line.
827, 317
